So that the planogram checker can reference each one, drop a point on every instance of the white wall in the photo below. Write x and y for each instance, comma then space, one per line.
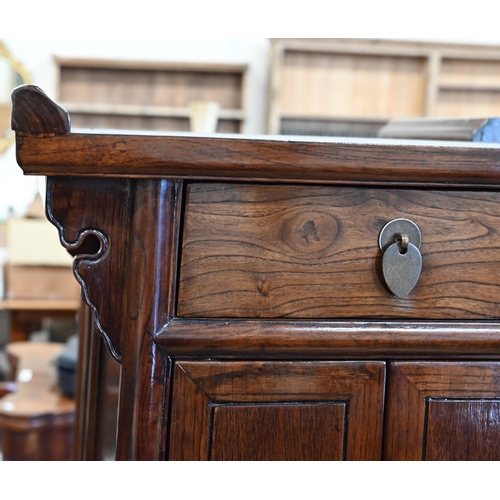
37, 55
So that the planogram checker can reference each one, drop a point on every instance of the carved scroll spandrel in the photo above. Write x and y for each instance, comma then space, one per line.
92, 219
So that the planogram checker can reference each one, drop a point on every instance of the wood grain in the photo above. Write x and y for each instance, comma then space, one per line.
137, 232
414, 430
279, 432
99, 239
265, 361
33, 112
200, 385
151, 95
151, 274
151, 86
294, 252
189, 420
307, 339
463, 430
460, 71
353, 85
366, 79
459, 101
268, 159
260, 159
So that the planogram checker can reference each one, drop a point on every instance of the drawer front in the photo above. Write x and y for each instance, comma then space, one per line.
261, 251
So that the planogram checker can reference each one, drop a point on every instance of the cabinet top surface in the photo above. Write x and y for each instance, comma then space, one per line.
256, 139
45, 145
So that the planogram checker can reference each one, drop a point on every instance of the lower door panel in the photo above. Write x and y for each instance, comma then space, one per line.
277, 411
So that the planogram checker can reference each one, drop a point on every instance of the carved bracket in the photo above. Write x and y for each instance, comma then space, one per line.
123, 232
94, 230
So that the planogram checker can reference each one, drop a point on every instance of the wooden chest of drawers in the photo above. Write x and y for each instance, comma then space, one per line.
240, 283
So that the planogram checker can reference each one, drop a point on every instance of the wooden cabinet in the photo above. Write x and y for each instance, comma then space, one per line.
139, 95
239, 282
353, 86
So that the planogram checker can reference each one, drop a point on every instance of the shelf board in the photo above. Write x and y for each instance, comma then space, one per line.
389, 48
353, 119
180, 66
39, 305
140, 110
469, 87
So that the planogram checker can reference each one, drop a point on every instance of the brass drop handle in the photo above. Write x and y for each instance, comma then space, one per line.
400, 241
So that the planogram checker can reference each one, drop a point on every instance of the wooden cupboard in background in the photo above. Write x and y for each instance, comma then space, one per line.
352, 87
141, 95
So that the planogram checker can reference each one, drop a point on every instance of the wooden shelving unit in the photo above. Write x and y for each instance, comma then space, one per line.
354, 86
24, 314
111, 94
39, 305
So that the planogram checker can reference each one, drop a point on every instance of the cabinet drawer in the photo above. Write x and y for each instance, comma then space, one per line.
264, 251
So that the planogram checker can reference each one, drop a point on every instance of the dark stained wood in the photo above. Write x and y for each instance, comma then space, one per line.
451, 129
50, 443
100, 260
463, 430
279, 432
316, 339
189, 438
266, 159
198, 386
254, 251
99, 241
151, 274
33, 112
416, 429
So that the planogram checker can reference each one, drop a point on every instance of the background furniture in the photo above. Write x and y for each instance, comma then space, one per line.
113, 94
37, 285
36, 419
352, 87
239, 283
455, 129
26, 316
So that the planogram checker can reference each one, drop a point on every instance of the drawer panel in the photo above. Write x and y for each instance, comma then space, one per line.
263, 251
